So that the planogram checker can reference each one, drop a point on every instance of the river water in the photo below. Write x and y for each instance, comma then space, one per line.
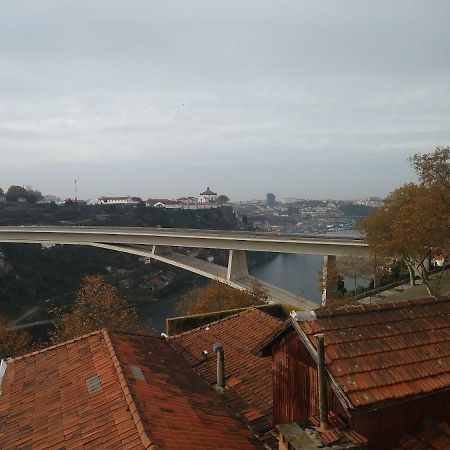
297, 273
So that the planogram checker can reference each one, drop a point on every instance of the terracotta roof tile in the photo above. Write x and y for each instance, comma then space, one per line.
388, 352
430, 435
248, 377
45, 402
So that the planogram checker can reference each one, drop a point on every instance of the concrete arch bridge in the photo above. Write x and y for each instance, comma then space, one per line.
159, 243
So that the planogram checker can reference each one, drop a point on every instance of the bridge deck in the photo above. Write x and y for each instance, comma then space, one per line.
230, 240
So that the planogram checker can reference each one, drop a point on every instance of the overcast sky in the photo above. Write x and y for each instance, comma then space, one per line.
303, 98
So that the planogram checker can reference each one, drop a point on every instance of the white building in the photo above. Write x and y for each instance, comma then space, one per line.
119, 200
208, 196
168, 204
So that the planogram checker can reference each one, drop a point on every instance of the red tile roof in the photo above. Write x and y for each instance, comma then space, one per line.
339, 431
208, 192
248, 376
386, 352
431, 435
146, 396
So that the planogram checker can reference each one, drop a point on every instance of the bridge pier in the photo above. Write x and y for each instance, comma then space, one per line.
329, 279
237, 265
161, 249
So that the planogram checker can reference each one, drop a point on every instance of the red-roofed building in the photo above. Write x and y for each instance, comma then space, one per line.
111, 390
248, 376
119, 200
430, 435
387, 367
208, 196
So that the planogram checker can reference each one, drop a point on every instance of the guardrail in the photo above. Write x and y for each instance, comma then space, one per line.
387, 287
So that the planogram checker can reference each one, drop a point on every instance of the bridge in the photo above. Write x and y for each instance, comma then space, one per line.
159, 244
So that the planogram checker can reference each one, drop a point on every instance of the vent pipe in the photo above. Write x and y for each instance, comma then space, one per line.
322, 381
2, 371
218, 348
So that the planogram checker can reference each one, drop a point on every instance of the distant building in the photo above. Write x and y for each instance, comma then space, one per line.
50, 199
177, 204
291, 200
208, 196
270, 199
119, 200
2, 199
188, 200
170, 204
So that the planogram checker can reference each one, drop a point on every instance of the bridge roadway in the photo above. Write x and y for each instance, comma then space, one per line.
157, 243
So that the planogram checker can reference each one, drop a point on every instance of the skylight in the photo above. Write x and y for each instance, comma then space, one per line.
137, 372
93, 384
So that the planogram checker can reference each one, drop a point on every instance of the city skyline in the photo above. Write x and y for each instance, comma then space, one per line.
299, 99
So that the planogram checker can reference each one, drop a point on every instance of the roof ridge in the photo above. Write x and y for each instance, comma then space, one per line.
386, 322
144, 435
361, 308
60, 344
134, 333
222, 319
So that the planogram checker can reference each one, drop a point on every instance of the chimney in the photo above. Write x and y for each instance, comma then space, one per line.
322, 381
218, 348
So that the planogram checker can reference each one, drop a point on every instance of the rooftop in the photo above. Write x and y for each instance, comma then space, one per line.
379, 354
248, 377
208, 192
113, 390
431, 435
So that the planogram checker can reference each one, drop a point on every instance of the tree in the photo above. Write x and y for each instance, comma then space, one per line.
34, 195
97, 305
16, 192
413, 222
355, 267
433, 168
222, 199
12, 342
218, 296
28, 193
330, 280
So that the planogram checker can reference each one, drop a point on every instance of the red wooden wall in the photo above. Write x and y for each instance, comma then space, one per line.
295, 399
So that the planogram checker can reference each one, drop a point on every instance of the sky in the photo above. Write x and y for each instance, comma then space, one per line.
161, 98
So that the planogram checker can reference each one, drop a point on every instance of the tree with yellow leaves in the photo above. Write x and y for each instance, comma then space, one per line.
413, 222
12, 342
97, 305
218, 297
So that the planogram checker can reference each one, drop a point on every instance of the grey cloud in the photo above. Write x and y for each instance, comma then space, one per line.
295, 97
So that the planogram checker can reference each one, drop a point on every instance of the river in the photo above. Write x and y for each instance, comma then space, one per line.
298, 273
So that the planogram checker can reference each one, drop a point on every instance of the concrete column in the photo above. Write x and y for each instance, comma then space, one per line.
161, 249
237, 265
330, 289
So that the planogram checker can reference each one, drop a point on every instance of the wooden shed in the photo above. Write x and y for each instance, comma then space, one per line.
387, 367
